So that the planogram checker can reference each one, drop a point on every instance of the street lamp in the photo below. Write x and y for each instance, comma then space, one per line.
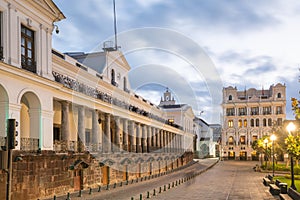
273, 138
291, 127
266, 144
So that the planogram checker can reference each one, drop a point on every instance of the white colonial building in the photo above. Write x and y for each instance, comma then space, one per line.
80, 125
247, 116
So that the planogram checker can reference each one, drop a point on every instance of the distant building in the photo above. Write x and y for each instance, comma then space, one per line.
247, 116
208, 139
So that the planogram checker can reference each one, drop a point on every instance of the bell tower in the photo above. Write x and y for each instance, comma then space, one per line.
167, 99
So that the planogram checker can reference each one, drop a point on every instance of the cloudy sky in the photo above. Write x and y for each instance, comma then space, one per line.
194, 47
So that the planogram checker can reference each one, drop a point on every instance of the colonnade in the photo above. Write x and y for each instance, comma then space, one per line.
112, 133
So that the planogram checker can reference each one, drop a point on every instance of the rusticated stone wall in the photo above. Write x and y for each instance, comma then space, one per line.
45, 174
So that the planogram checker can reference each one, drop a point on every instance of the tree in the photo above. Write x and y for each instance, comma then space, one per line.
259, 146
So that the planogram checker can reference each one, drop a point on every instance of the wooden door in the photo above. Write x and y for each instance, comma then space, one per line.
77, 180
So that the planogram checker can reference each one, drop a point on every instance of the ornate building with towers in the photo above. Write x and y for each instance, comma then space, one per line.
247, 116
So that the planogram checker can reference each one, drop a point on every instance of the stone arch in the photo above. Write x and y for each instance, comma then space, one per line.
30, 121
4, 110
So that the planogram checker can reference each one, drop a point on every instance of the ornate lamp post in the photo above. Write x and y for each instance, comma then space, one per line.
291, 127
273, 138
266, 144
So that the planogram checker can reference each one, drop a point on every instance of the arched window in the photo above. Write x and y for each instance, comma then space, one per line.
113, 77
245, 123
230, 123
240, 123
252, 122
230, 97
257, 122
279, 95
230, 140
269, 122
264, 122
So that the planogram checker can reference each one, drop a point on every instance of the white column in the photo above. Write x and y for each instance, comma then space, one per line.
95, 131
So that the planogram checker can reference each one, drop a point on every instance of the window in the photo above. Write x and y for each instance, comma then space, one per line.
242, 111
257, 122
242, 140
252, 122
230, 140
270, 122
230, 123
267, 110
87, 137
230, 112
279, 95
113, 77
279, 110
279, 121
264, 122
254, 138
240, 123
230, 97
254, 111
245, 123
27, 49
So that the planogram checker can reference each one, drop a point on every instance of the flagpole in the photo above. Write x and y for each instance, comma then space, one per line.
115, 26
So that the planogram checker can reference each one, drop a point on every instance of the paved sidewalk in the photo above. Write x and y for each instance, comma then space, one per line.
234, 180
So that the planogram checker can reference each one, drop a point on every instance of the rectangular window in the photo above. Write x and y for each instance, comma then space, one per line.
242, 111
254, 111
279, 110
230, 112
87, 137
27, 49
267, 110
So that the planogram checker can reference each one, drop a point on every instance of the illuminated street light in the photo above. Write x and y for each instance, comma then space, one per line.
273, 138
291, 127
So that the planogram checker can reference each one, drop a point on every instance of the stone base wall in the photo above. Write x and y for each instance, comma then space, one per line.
45, 174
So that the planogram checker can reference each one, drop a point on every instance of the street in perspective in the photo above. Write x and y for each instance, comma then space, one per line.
140, 99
